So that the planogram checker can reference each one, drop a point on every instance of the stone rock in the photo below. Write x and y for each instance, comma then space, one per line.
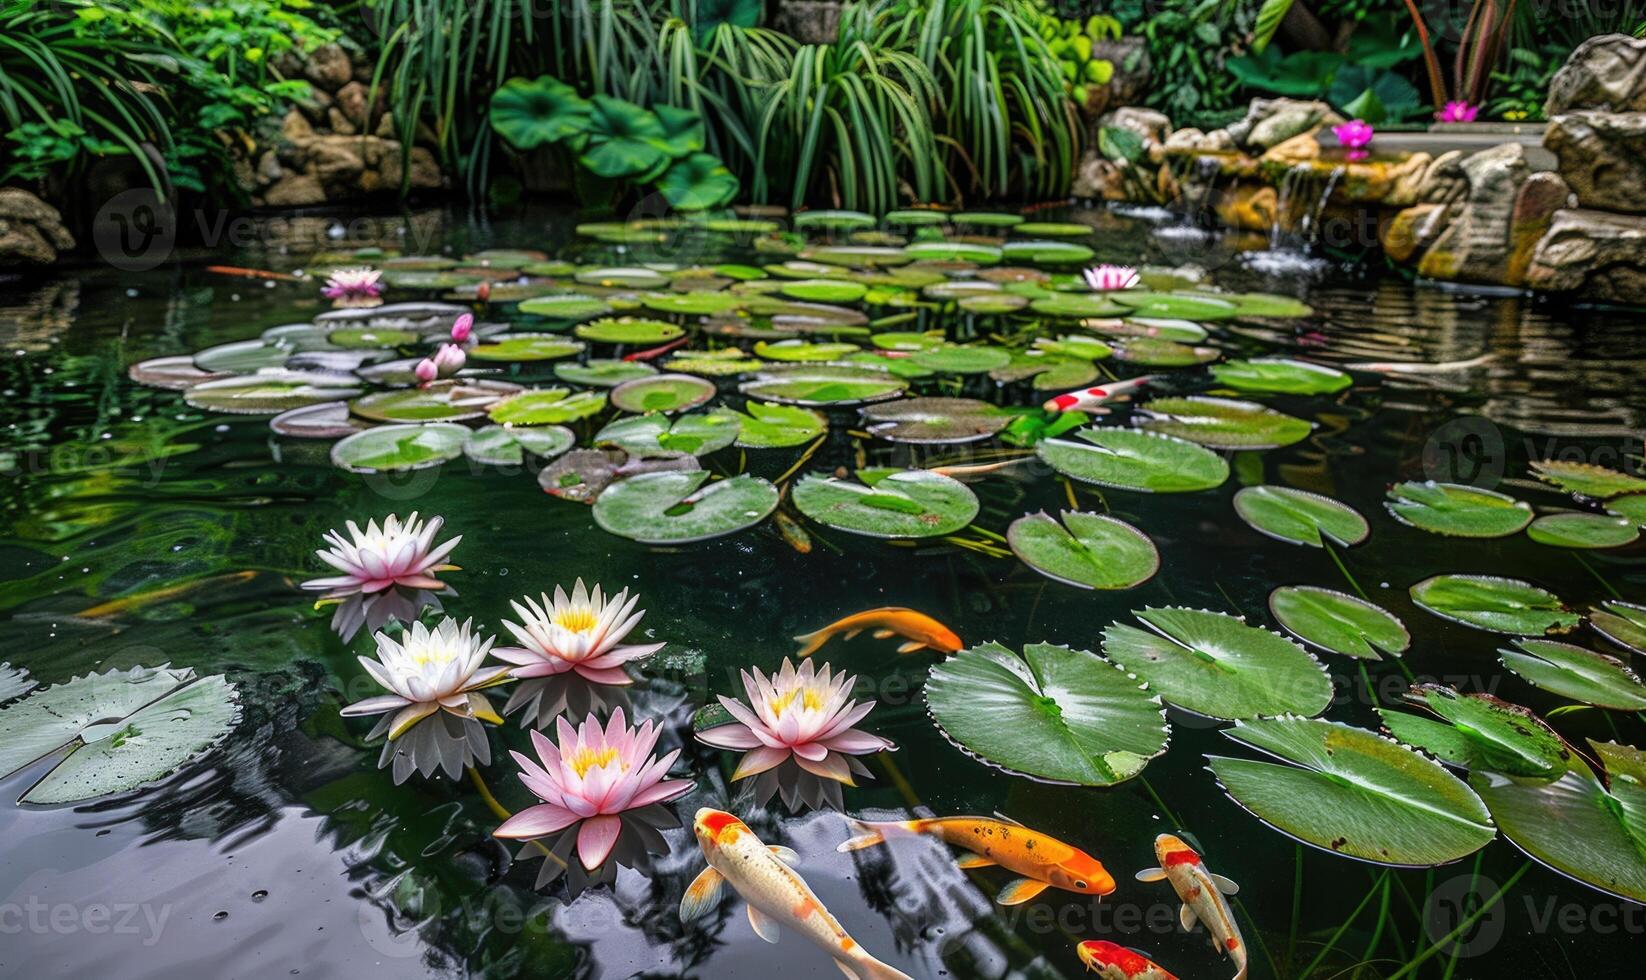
1474, 246
1444, 180
1271, 121
314, 106
1098, 179
1249, 207
1603, 157
351, 102
809, 21
1190, 140
295, 128
337, 161
1301, 148
424, 170
1411, 230
268, 167
1541, 196
340, 123
1600, 253
1153, 126
385, 127
1406, 180
1607, 71
31, 231
328, 67
295, 191
1130, 58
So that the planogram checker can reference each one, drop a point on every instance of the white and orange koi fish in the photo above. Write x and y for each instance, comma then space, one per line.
1094, 399
1202, 895
1112, 961
775, 893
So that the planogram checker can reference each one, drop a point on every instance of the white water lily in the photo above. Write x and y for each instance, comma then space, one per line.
582, 632
802, 714
429, 670
379, 558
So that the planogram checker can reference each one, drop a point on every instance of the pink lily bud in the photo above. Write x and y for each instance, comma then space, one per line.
448, 360
426, 370
463, 328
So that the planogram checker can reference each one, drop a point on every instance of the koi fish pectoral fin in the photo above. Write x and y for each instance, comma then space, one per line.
702, 894
1152, 874
1187, 919
970, 861
884, 634
1020, 891
911, 646
763, 925
1224, 885
785, 854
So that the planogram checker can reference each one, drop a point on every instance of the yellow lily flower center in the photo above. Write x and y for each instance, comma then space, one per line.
579, 619
585, 759
808, 699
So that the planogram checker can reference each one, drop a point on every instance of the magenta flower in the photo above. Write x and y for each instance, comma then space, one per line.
1108, 278
426, 370
1354, 134
448, 360
801, 714
582, 633
1458, 111
354, 287
592, 776
402, 554
463, 328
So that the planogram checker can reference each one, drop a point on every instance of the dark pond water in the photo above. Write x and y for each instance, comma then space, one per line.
288, 852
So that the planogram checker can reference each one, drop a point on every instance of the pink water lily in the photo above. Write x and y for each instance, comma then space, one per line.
357, 287
802, 714
1458, 112
463, 328
1354, 134
449, 360
592, 775
582, 632
378, 558
426, 370
1108, 278
431, 670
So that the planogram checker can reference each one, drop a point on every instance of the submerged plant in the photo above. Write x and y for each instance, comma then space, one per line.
355, 288
797, 718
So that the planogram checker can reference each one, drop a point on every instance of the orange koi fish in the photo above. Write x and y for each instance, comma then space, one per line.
1202, 895
1043, 861
776, 895
922, 631
1114, 962
233, 270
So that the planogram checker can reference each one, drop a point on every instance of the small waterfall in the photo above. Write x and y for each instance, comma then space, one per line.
1289, 250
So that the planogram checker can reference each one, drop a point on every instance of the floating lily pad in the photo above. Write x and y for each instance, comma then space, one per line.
715, 364
652, 435
1300, 517
1224, 423
1582, 530
171, 373
1281, 374
13, 682
763, 425
438, 401
1573, 672
603, 372
676, 508
916, 218
547, 406
991, 305
662, 393
832, 220
372, 338
121, 728
499, 445
1339, 623
1044, 252
567, 306
857, 256
691, 304
622, 278
243, 357
629, 330
1074, 347
1501, 605
1177, 306
1182, 331
824, 290
1078, 305
1263, 304
888, 503
1632, 506
397, 448
1092, 551
1054, 714
954, 252
1353, 792
1587, 479
1046, 372
516, 347
327, 420
935, 420
803, 350
1624, 623
824, 385
1159, 352
269, 392
1457, 510
1053, 229
956, 359
1479, 732
1215, 665
1133, 460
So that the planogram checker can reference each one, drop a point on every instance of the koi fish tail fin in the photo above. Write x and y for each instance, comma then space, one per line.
866, 967
812, 642
869, 834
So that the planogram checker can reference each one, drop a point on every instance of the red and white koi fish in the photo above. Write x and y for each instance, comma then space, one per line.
921, 630
653, 353
776, 895
1202, 895
1115, 962
1093, 399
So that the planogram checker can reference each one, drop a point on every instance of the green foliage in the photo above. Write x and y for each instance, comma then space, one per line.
1188, 43
1071, 41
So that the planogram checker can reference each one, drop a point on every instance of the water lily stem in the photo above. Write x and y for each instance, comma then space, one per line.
479, 781
1297, 903
1462, 927
1383, 883
1344, 569
1598, 577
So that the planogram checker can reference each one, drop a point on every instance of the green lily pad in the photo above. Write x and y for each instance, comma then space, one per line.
121, 729
1501, 605
1624, 623
721, 363
629, 330
986, 219
803, 350
327, 420
1074, 347
1573, 672
1199, 307
1457, 510
676, 508
824, 290
566, 306
397, 448
243, 356
547, 406
1046, 372
1215, 665
1224, 423
268, 392
935, 420
824, 385
1053, 229
832, 220
857, 256
956, 359
1078, 305
1479, 732
171, 373
439, 401
1133, 460
1632, 506
1582, 530
1353, 792
1587, 479
1091, 551
1263, 304
944, 251
1339, 623
1163, 328
1054, 714
1046, 252
517, 347
1577, 826
766, 425
1300, 517
917, 218
653, 435
992, 305
666, 393
603, 372
1158, 352
1281, 374
499, 445
888, 503
692, 303
371, 338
